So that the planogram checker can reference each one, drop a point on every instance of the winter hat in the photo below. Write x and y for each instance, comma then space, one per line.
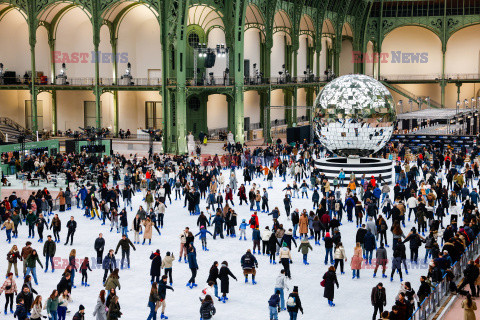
9, 274
295, 289
201, 227
168, 253
284, 244
81, 307
243, 221
327, 235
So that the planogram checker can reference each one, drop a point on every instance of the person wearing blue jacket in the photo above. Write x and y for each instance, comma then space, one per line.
109, 263
242, 230
21, 311
218, 223
275, 213
256, 238
82, 194
273, 304
369, 244
203, 236
192, 264
377, 193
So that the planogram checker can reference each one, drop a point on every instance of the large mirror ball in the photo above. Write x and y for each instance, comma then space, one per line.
354, 116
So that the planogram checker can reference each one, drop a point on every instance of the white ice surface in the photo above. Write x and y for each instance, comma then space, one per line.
245, 300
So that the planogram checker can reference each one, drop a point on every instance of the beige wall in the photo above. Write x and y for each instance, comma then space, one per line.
463, 51
412, 40
217, 111
251, 101
346, 63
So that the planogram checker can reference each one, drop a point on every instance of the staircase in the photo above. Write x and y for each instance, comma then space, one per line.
10, 129
411, 96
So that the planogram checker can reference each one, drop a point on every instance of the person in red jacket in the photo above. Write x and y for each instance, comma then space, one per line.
254, 221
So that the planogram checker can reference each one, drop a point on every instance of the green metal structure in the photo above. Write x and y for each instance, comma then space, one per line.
369, 20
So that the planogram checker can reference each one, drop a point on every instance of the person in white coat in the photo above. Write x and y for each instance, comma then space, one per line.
412, 204
265, 237
281, 285
209, 290
100, 312
371, 226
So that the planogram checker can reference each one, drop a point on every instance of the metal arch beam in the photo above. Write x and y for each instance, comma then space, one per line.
255, 12
58, 17
117, 21
6, 10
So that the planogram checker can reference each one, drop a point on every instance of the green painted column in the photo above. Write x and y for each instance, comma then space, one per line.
96, 24
33, 89
114, 44
443, 84
295, 91
115, 113
267, 122
97, 90
288, 101
265, 97
51, 44
181, 120
54, 113
336, 55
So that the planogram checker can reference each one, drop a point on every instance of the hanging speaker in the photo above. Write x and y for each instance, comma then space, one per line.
210, 60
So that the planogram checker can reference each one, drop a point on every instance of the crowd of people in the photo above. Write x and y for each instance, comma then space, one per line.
429, 186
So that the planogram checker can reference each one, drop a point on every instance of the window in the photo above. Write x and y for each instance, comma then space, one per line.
153, 115
28, 114
90, 115
193, 39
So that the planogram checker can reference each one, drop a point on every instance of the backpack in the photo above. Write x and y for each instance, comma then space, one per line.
252, 221
291, 302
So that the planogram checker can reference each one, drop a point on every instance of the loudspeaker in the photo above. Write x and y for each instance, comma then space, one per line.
210, 60
298, 134
246, 68
246, 123
10, 77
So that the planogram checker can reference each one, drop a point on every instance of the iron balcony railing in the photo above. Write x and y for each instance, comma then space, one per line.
432, 303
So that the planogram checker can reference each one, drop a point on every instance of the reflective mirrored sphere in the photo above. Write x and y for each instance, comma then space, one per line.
355, 115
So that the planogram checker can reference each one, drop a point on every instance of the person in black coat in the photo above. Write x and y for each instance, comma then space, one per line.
297, 304
272, 247
156, 266
65, 284
295, 222
99, 247
415, 242
223, 275
213, 276
71, 227
109, 263
330, 281
27, 298
379, 299
471, 274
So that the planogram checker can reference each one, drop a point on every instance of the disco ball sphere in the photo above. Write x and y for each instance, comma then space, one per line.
355, 115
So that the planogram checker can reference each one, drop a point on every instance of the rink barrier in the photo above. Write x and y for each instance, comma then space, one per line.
431, 304
331, 167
